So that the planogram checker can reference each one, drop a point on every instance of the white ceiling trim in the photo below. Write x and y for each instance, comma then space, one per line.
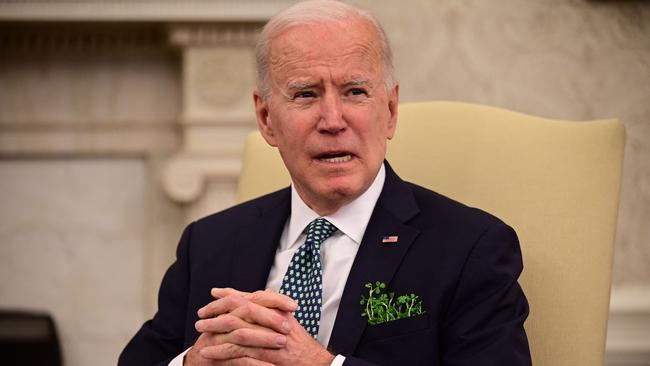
141, 10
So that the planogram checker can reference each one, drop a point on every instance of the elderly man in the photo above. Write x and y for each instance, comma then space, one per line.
347, 231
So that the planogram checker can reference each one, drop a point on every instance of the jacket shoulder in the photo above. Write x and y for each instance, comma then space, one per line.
247, 212
450, 212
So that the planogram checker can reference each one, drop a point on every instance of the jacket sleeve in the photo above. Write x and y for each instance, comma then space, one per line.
160, 339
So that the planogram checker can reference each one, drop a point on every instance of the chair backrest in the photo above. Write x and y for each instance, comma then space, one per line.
556, 182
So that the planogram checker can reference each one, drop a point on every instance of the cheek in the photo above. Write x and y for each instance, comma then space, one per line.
378, 142
377, 131
289, 137
295, 123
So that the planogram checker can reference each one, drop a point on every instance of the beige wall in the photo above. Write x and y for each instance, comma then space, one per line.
85, 229
71, 245
566, 59
91, 134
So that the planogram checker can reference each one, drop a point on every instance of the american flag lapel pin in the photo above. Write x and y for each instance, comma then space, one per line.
389, 239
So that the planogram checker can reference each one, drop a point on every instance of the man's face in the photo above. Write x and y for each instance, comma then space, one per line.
329, 112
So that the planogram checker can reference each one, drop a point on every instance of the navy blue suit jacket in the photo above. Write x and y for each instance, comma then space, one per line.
462, 262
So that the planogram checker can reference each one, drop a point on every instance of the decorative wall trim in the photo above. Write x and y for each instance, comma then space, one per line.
215, 40
215, 34
208, 152
628, 337
140, 10
185, 175
30, 139
57, 37
217, 113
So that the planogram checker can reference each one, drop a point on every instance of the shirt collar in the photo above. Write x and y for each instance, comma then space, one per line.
351, 219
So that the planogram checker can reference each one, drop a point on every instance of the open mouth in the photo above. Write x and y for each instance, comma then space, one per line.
335, 158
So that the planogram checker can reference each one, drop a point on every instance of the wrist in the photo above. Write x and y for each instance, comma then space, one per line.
326, 358
191, 357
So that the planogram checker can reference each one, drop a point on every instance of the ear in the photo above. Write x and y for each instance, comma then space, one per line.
393, 102
263, 118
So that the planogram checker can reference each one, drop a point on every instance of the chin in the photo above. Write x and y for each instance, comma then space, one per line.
344, 189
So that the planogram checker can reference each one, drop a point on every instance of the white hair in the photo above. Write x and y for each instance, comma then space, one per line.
316, 12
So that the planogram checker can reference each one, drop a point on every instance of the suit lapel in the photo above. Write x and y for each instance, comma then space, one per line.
255, 248
375, 261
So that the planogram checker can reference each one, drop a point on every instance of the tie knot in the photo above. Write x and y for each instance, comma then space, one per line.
319, 230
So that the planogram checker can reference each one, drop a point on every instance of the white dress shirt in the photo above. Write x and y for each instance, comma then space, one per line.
337, 252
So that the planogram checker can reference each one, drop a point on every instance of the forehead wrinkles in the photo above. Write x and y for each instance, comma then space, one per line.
296, 50
360, 56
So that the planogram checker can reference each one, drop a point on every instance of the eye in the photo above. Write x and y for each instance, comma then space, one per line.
357, 91
304, 94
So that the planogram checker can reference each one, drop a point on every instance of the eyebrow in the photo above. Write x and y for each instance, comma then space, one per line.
358, 81
301, 85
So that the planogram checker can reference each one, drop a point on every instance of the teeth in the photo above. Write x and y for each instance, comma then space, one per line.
338, 159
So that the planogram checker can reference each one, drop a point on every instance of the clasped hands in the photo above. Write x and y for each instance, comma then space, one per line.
257, 329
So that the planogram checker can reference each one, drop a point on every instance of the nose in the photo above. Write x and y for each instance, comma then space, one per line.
331, 115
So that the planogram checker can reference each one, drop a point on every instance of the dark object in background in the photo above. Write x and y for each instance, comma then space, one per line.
28, 339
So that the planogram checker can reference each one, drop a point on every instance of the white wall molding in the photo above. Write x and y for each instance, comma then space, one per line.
90, 139
217, 112
185, 175
217, 76
628, 336
80, 37
215, 33
140, 10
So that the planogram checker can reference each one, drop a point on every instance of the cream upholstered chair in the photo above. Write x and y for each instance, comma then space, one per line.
556, 182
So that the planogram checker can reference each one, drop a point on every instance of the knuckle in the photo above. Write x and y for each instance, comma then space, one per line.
232, 300
208, 352
246, 310
202, 341
229, 322
256, 296
226, 302
217, 352
230, 350
265, 354
239, 335
213, 308
217, 339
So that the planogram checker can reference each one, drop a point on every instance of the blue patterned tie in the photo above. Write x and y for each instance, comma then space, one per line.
303, 279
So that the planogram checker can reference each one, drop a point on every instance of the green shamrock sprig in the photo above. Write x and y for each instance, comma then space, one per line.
384, 307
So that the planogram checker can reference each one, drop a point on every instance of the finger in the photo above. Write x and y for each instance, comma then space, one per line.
245, 310
245, 361
218, 292
267, 298
269, 318
229, 351
273, 299
251, 337
221, 306
226, 351
223, 323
